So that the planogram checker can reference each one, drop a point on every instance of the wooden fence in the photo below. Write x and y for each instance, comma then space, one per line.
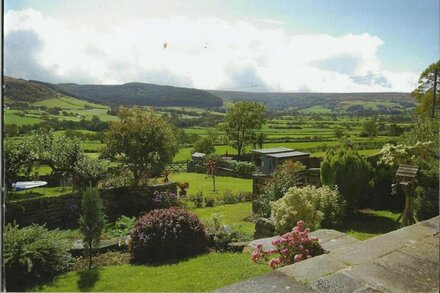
177, 167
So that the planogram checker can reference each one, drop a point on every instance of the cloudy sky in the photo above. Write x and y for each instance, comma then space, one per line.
284, 45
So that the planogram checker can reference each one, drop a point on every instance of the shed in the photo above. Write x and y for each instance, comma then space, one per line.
197, 157
270, 161
259, 153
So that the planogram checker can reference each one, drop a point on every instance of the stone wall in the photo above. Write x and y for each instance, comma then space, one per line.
64, 211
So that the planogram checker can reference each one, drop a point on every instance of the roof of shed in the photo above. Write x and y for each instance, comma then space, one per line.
289, 155
272, 150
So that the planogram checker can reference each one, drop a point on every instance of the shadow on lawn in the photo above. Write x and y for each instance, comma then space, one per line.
24, 195
366, 221
87, 279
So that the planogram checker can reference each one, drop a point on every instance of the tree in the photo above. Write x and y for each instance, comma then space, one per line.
204, 145
92, 221
350, 172
89, 171
260, 138
369, 128
241, 122
211, 168
424, 92
142, 140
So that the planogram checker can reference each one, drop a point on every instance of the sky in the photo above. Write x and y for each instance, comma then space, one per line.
242, 45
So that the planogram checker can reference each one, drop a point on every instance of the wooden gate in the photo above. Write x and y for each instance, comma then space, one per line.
177, 167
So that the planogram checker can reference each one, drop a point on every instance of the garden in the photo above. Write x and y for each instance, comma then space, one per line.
121, 220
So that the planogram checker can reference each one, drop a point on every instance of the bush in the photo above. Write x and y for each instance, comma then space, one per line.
204, 145
220, 235
245, 168
230, 198
291, 247
165, 199
350, 172
209, 202
33, 255
197, 199
121, 227
286, 175
317, 206
167, 234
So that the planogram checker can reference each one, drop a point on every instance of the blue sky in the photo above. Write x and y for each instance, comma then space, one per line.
384, 43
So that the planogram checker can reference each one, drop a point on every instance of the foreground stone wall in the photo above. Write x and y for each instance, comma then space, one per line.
64, 211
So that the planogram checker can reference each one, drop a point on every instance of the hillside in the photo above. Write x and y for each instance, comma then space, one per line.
142, 94
361, 103
25, 91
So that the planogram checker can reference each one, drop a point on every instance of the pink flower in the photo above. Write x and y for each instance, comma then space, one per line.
285, 252
276, 241
298, 257
274, 262
300, 223
255, 256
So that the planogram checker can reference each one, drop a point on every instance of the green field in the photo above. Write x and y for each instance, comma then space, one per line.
202, 273
65, 102
202, 183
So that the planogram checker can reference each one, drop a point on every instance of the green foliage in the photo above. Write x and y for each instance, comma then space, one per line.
33, 254
121, 227
245, 168
142, 140
204, 145
315, 206
350, 172
92, 221
167, 234
89, 171
197, 199
221, 235
425, 88
241, 122
369, 128
285, 176
209, 202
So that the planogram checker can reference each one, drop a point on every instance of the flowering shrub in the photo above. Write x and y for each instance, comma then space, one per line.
197, 199
245, 168
291, 247
315, 206
165, 199
394, 155
166, 234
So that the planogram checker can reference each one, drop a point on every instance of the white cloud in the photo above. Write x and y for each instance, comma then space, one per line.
207, 52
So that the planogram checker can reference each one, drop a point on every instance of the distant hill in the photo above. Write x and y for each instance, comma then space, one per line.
25, 91
334, 102
142, 94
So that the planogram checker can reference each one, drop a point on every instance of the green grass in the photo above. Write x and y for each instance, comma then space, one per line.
66, 102
11, 118
199, 182
231, 214
203, 273
39, 192
369, 223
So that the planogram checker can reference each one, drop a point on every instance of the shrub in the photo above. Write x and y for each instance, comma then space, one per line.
245, 168
350, 172
167, 234
204, 145
197, 199
92, 221
220, 235
33, 254
291, 247
121, 227
165, 199
209, 202
213, 157
230, 198
286, 175
318, 206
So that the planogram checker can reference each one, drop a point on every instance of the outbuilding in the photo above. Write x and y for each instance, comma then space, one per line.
270, 161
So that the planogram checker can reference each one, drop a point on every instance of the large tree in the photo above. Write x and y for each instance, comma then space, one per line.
142, 140
241, 122
424, 91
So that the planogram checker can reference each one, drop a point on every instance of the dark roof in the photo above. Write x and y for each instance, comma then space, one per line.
272, 150
289, 155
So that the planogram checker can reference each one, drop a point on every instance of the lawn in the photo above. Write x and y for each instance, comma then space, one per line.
203, 273
200, 182
369, 223
230, 214
39, 192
